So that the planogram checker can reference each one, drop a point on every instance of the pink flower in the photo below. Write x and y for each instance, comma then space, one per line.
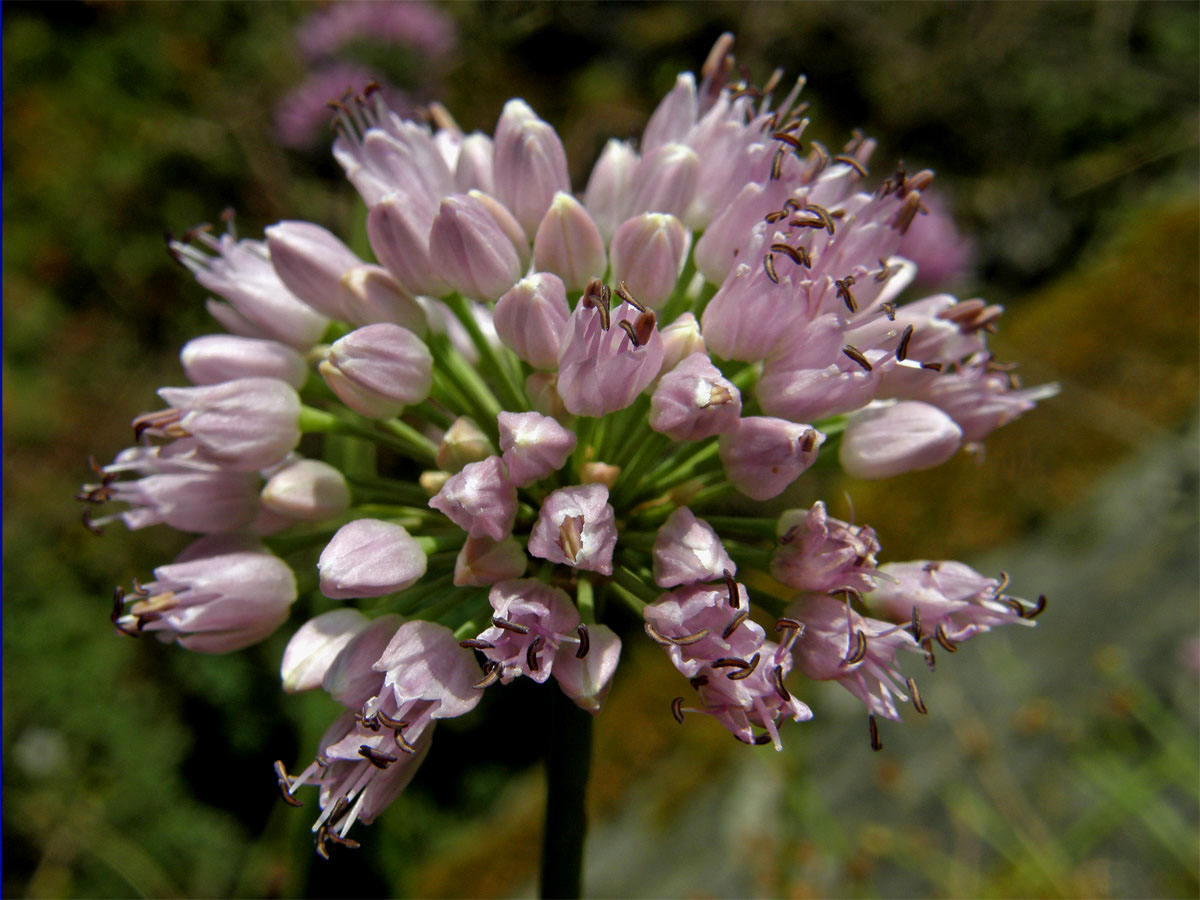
310, 261
471, 250
370, 558
481, 499
884, 440
532, 622
484, 561
586, 675
377, 370
763, 455
569, 243
695, 401
224, 357
687, 550
221, 594
576, 527
315, 645
308, 490
530, 164
532, 318
700, 624
648, 253
821, 554
533, 445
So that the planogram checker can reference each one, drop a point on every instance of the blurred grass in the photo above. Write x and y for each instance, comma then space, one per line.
1067, 134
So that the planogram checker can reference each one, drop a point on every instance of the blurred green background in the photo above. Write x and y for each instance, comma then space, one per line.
1056, 762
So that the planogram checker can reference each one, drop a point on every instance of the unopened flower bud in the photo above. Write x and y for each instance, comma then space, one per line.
470, 249
223, 357
694, 401
681, 339
889, 439
608, 187
507, 223
370, 295
532, 317
308, 490
464, 442
599, 473
665, 181
674, 116
648, 252
352, 678
310, 261
400, 240
484, 561
530, 165
687, 550
473, 170
533, 446
315, 645
820, 554
244, 424
569, 243
379, 369
481, 499
542, 388
576, 527
370, 558
544, 624
764, 455
431, 481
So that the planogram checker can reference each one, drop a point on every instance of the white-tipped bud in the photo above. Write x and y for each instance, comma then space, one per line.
485, 561
508, 224
308, 489
431, 481
215, 358
315, 645
378, 370
599, 473
889, 439
400, 239
529, 164
370, 558
532, 317
681, 339
648, 252
534, 446
473, 170
665, 181
569, 243
608, 188
542, 388
464, 442
370, 296
310, 261
471, 250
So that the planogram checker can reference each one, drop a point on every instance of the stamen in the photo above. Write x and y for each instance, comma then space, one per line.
688, 639
798, 255
624, 293
371, 723
698, 681
777, 164
570, 533
531, 655
889, 310
932, 366
902, 347
823, 213
789, 535
1042, 603
375, 758
843, 291
774, 216
733, 626
907, 212
876, 743
118, 607
402, 742
807, 222
731, 586
852, 163
808, 441
748, 671
857, 355
769, 268
859, 651
780, 689
1015, 605
387, 720
89, 524
915, 625
331, 835
654, 635
677, 709
930, 659
594, 297
944, 639
501, 622
761, 739
790, 139
644, 326
491, 674
917, 702
822, 153
628, 329
476, 644
729, 662
285, 784
585, 642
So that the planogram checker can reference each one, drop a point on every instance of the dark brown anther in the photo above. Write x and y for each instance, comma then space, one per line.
476, 644
140, 589
944, 639
807, 222
196, 230
843, 291
594, 297
774, 216
746, 672
501, 622
769, 268
876, 743
319, 839
822, 153
932, 366
331, 835
644, 326
798, 255
371, 88
761, 739
585, 642
89, 524
1013, 604
371, 723
915, 625
687, 639
823, 213
531, 654
917, 702
808, 441
777, 164
902, 347
375, 758
624, 293
733, 625
653, 634
857, 355
921, 180
730, 585
789, 535
1014, 381
677, 709
790, 139
402, 742
491, 674
570, 532
628, 329
388, 722
780, 689
95, 466
907, 212
1040, 608
729, 662
859, 651
783, 622
852, 163
930, 659
285, 784
889, 310
698, 681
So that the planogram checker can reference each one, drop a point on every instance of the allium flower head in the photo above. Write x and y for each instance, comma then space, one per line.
534, 407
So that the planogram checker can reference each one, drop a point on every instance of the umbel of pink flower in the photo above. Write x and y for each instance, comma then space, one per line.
534, 407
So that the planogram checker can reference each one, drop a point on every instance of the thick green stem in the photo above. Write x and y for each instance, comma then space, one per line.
568, 759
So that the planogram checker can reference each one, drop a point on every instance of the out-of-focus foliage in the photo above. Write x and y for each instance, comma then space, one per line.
1066, 137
